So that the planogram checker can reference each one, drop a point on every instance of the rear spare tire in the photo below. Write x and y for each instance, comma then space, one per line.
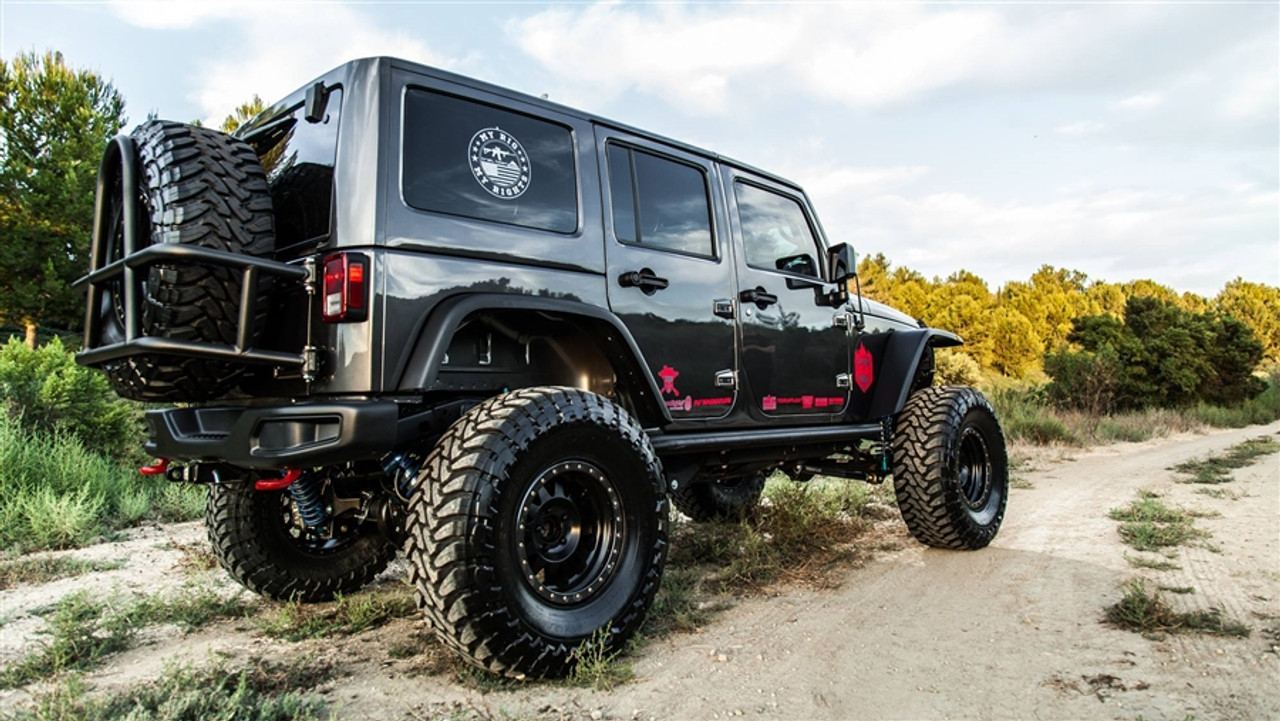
202, 188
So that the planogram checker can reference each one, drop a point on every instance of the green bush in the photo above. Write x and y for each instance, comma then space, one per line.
44, 390
1259, 410
54, 493
955, 368
1025, 416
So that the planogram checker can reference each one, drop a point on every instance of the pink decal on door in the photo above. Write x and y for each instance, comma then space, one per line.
669, 376
863, 368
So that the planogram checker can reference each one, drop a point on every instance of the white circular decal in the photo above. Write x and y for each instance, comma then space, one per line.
499, 163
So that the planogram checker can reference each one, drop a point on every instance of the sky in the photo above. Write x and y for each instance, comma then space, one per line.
1125, 140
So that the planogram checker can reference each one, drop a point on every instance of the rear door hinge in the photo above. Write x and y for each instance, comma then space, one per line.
310, 363
722, 307
727, 379
843, 381
309, 282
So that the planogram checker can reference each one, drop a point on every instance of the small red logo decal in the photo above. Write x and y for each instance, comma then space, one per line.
770, 403
669, 376
864, 373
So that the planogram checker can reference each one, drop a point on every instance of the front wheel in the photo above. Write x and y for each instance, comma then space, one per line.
539, 523
950, 469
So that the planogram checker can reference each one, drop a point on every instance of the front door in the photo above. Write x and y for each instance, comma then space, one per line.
795, 346
670, 278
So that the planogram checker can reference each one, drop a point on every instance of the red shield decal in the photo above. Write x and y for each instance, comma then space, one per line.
864, 372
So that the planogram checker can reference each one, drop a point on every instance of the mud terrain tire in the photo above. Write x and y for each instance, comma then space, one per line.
723, 500
203, 188
950, 469
250, 536
539, 520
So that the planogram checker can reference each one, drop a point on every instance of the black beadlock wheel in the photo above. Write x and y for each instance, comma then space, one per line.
203, 188
950, 469
728, 499
539, 519
258, 539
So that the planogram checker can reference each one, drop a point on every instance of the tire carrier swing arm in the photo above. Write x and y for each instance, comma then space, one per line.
120, 163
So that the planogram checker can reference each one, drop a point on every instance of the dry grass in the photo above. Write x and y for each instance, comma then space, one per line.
1144, 610
44, 569
1217, 469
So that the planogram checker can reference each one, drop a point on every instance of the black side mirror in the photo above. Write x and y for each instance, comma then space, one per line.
317, 101
842, 264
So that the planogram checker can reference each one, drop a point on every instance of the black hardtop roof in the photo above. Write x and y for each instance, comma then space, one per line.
565, 109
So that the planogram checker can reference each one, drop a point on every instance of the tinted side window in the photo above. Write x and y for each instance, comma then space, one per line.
775, 233
298, 157
659, 203
474, 160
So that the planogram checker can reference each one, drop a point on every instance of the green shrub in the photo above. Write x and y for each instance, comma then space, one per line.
955, 368
46, 391
56, 494
262, 691
1025, 416
1260, 410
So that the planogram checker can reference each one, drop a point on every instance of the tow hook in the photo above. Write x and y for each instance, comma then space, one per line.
279, 484
156, 469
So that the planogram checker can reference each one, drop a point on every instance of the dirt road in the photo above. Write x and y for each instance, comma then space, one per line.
1013, 631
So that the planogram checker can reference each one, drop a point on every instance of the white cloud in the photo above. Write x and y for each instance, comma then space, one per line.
1189, 240
273, 48
838, 180
1141, 101
905, 51
1253, 96
1081, 127
177, 14
688, 57
701, 57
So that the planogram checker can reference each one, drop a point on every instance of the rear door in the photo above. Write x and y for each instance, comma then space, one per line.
670, 278
795, 346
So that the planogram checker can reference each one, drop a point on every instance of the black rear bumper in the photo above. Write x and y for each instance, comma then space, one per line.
303, 435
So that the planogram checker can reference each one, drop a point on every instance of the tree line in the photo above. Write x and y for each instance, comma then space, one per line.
1104, 346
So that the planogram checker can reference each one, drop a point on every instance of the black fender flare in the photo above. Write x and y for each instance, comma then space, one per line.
619, 346
903, 352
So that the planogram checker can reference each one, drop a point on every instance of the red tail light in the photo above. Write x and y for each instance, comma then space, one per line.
343, 297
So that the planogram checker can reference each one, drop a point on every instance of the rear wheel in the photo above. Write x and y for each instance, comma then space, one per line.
261, 540
950, 469
203, 188
539, 521
726, 499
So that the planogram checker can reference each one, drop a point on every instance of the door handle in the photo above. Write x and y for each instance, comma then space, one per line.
645, 279
759, 296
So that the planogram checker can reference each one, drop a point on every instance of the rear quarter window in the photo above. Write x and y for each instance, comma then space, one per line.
298, 157
474, 160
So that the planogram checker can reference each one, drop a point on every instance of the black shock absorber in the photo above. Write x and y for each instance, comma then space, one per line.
308, 500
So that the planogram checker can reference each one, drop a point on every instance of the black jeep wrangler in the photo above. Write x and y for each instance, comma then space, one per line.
402, 309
